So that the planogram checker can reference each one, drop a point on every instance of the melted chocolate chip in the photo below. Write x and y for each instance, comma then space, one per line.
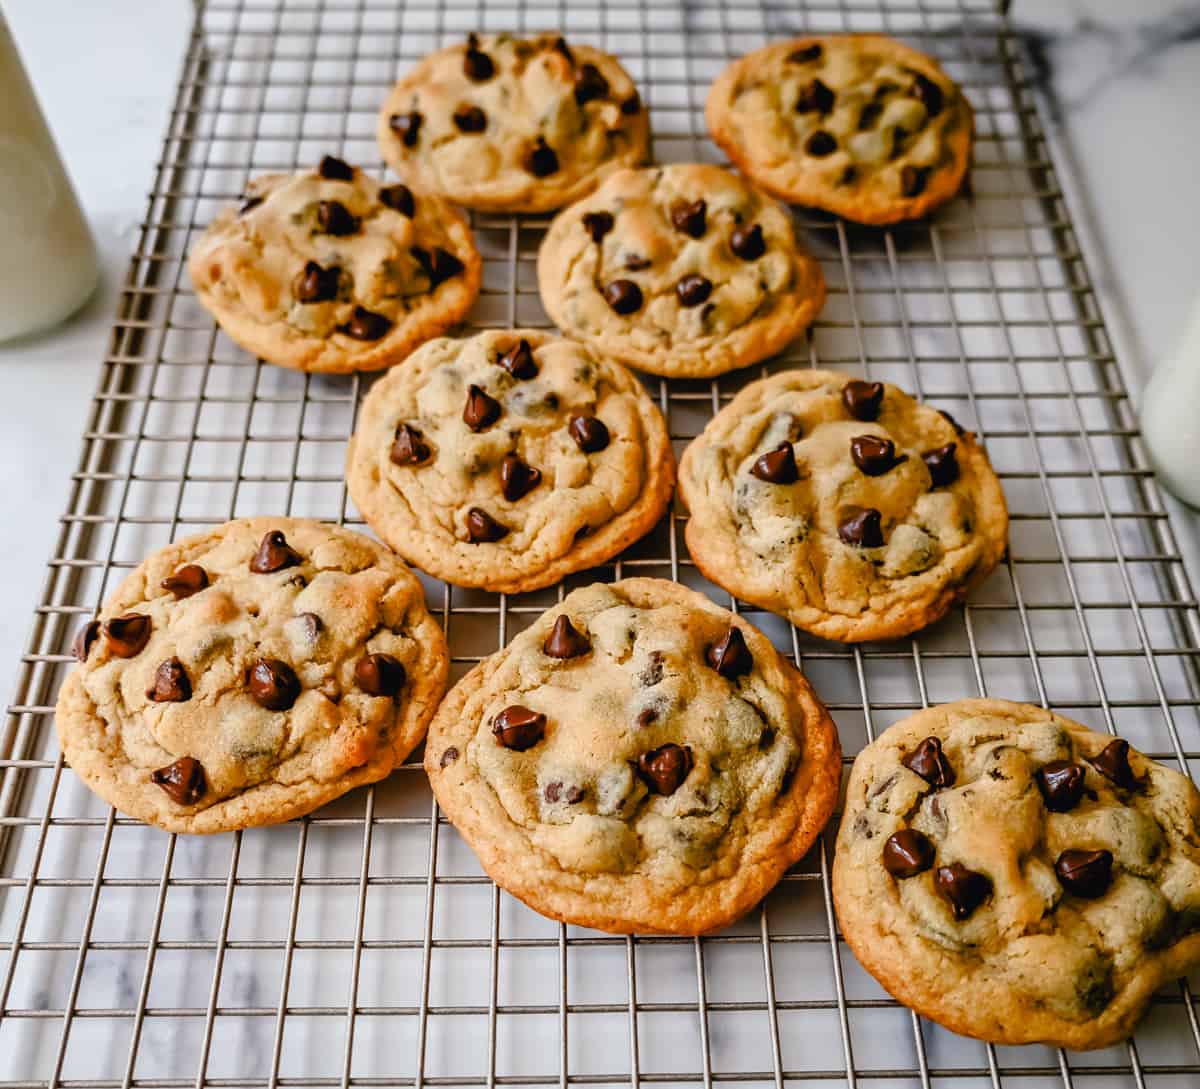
565, 640
183, 780
399, 198
632, 105
518, 361
190, 579
899, 138
820, 144
379, 674
1061, 784
335, 169
589, 433
942, 465
664, 769
930, 763
777, 466
517, 479
127, 635
439, 265
635, 262
559, 792
477, 65
84, 638
873, 455
929, 93
407, 126
449, 755
310, 625
171, 683
863, 400
519, 728
652, 674
482, 528
598, 224
274, 554
365, 324
870, 114
333, 217
542, 160
730, 656
249, 204
316, 284
1113, 763
590, 84
1085, 873
560, 46
913, 180
693, 290
688, 218
959, 430
748, 242
861, 526
273, 685
481, 410
815, 97
965, 889
907, 853
647, 716
408, 447
470, 119
806, 54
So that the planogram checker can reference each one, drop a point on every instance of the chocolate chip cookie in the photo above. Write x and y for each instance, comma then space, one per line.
683, 270
1016, 877
509, 460
250, 674
844, 505
636, 760
327, 270
513, 124
857, 124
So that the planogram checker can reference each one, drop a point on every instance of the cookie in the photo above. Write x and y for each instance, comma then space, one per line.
250, 674
326, 270
511, 124
509, 460
846, 506
1016, 877
638, 759
857, 124
683, 270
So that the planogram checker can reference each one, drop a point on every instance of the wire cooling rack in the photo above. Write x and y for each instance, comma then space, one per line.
363, 945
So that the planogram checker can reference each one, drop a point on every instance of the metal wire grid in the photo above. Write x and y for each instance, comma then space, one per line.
363, 945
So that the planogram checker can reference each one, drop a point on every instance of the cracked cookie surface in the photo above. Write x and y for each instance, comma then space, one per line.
1017, 877
509, 460
857, 124
649, 763
512, 124
683, 270
327, 270
846, 506
250, 674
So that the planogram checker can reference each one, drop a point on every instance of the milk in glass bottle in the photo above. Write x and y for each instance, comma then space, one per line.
1171, 416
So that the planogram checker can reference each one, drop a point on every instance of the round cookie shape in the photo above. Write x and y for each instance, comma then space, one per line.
508, 124
857, 124
1007, 905
846, 506
327, 270
683, 270
508, 460
249, 674
660, 779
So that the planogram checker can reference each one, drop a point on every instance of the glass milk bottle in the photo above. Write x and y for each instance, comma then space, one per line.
1171, 416
47, 258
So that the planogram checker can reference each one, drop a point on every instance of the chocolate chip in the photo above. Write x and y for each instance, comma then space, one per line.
127, 635
590, 84
849, 174
274, 554
632, 105
647, 716
449, 755
653, 673
556, 792
407, 126
333, 217
439, 265
1061, 784
518, 361
693, 290
815, 97
399, 198
930, 763
942, 465
730, 656
517, 479
929, 93
805, 54
635, 262
664, 769
316, 284
365, 324
913, 180
598, 224
481, 410
477, 65
519, 728
1085, 873
959, 430
873, 455
820, 144
408, 447
565, 640
183, 780
688, 218
310, 625
1113, 763
249, 204
748, 242
335, 169
84, 638
965, 889
379, 674
171, 683
560, 46
870, 114
589, 433
482, 528
542, 160
861, 526
190, 579
907, 853
273, 684
777, 466
470, 119
899, 136
863, 400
